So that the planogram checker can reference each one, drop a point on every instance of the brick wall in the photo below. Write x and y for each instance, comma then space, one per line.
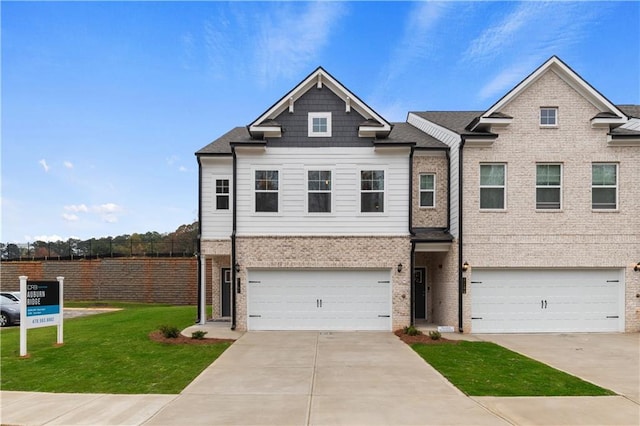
149, 280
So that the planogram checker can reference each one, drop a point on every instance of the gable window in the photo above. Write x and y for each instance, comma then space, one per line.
319, 124
372, 191
266, 191
604, 186
427, 190
222, 194
493, 186
548, 186
319, 191
548, 117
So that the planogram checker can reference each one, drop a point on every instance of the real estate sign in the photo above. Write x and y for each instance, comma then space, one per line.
41, 305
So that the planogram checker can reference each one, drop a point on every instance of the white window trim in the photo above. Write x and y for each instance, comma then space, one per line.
617, 187
253, 190
313, 115
215, 193
385, 210
548, 125
420, 190
331, 192
480, 186
549, 186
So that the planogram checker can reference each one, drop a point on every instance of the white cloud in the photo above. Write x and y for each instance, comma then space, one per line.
70, 217
183, 169
77, 208
291, 37
44, 165
68, 164
106, 208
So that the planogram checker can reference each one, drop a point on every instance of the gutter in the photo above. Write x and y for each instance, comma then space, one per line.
200, 314
233, 241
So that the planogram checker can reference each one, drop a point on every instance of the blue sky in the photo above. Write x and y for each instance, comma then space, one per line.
104, 104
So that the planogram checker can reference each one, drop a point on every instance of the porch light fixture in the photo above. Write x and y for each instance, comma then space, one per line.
465, 266
399, 267
637, 267
237, 267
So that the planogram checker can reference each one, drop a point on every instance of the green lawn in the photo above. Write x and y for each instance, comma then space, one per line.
487, 369
106, 353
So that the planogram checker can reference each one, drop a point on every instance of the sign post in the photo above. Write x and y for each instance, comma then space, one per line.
41, 305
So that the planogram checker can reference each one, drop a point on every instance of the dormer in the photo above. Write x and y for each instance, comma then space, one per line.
319, 122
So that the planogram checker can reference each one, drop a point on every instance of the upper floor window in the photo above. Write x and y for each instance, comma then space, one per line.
604, 186
266, 191
372, 191
319, 124
222, 194
549, 116
493, 186
319, 191
548, 186
427, 190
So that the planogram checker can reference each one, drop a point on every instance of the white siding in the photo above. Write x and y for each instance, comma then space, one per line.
345, 218
452, 140
216, 224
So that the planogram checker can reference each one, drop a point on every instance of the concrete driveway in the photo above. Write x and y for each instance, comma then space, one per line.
313, 378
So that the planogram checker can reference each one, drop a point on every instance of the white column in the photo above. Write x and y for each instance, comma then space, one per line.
203, 290
61, 321
23, 315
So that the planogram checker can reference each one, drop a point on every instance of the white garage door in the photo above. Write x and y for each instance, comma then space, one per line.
319, 300
513, 301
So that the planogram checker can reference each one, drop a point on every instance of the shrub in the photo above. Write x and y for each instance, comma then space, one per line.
169, 331
198, 334
435, 335
412, 331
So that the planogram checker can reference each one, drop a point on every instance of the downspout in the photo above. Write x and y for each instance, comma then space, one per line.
233, 241
460, 277
200, 314
413, 245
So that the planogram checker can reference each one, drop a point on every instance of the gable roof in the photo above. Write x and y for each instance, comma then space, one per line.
375, 125
556, 65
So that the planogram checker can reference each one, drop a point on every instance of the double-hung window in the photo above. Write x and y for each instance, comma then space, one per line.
549, 117
493, 186
427, 190
548, 186
222, 194
604, 186
266, 191
372, 191
319, 191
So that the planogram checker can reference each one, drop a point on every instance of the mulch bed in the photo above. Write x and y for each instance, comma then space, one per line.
157, 336
423, 338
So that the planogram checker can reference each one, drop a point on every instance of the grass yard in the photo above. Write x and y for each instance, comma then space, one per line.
106, 353
487, 369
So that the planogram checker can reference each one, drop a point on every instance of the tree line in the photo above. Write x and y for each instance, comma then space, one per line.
181, 242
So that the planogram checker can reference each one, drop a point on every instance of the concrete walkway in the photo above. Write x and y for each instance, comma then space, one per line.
315, 378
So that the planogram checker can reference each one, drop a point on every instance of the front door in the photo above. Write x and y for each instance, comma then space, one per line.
419, 293
225, 292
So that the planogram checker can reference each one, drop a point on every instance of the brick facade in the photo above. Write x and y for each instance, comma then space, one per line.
429, 217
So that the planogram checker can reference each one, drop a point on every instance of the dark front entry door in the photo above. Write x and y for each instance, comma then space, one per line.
419, 293
225, 285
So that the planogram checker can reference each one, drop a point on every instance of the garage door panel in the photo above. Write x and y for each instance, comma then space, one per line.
547, 300
319, 300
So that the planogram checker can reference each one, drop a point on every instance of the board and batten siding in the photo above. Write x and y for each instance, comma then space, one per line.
216, 224
345, 218
452, 140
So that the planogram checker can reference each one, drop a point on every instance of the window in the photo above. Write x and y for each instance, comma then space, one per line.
222, 194
492, 186
548, 186
319, 191
319, 124
604, 186
427, 190
549, 117
372, 191
266, 191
